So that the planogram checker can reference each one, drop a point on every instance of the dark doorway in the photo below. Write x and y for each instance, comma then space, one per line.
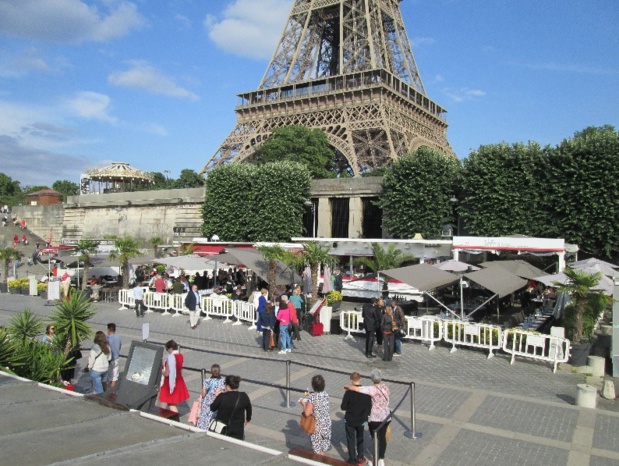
340, 210
372, 219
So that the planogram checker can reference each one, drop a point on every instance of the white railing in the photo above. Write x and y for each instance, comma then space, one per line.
177, 303
536, 346
216, 307
126, 299
471, 334
426, 329
351, 322
157, 301
244, 312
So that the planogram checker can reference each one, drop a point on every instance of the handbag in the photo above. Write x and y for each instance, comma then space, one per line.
308, 423
388, 433
194, 414
272, 340
220, 427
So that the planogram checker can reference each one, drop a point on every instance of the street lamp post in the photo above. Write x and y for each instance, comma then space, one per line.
309, 203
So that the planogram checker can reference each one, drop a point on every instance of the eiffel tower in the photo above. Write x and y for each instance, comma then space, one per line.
346, 67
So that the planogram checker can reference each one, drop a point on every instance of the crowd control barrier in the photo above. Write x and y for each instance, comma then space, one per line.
216, 307
426, 329
351, 322
482, 336
536, 346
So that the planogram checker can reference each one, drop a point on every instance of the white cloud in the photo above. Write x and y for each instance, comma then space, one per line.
91, 106
17, 65
567, 68
249, 28
68, 20
142, 75
464, 94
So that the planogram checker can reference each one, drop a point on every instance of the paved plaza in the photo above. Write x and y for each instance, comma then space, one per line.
470, 410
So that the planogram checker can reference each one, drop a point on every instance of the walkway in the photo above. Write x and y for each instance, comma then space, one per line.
470, 410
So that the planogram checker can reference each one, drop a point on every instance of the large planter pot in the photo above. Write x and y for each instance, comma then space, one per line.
336, 305
3, 287
14, 290
579, 354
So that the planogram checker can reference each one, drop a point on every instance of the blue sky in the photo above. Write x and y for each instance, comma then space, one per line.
154, 83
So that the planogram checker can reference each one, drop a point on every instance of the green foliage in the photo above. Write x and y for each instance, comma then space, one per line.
84, 249
188, 179
582, 185
34, 189
7, 350
333, 296
416, 194
246, 202
582, 314
39, 362
70, 319
155, 242
125, 248
309, 147
8, 187
383, 259
504, 190
313, 255
25, 326
66, 188
272, 254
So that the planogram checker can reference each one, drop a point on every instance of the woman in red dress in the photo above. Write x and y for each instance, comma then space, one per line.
173, 391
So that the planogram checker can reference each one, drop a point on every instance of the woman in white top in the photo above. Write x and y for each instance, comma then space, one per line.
99, 361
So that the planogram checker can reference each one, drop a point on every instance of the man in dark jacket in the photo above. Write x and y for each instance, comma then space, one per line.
369, 324
357, 407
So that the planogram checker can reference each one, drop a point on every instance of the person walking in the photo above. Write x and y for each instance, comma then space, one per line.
192, 302
174, 390
379, 393
379, 309
99, 361
369, 324
357, 407
262, 305
233, 408
138, 297
211, 388
268, 327
318, 405
115, 344
387, 325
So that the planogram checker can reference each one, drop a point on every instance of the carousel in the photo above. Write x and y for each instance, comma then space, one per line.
119, 177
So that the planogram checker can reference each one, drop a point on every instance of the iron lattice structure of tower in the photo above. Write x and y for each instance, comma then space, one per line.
346, 67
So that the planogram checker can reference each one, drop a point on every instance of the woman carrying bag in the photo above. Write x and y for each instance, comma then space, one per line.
210, 389
233, 409
99, 361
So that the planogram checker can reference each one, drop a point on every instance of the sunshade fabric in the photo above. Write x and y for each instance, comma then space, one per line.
497, 280
606, 284
189, 262
517, 267
453, 265
424, 277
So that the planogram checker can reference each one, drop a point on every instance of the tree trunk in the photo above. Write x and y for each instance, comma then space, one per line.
314, 270
85, 271
579, 311
6, 272
125, 274
271, 278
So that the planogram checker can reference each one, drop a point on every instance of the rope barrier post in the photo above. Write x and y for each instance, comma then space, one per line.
287, 403
413, 434
375, 444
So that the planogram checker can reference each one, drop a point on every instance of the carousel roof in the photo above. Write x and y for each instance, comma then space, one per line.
118, 171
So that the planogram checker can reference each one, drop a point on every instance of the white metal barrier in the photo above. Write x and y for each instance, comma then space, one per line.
157, 301
536, 346
216, 307
427, 329
126, 300
177, 303
351, 322
244, 312
471, 334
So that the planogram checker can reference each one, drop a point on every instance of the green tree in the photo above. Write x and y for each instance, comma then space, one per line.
503, 190
25, 326
416, 194
125, 248
582, 185
587, 305
155, 242
8, 187
188, 179
7, 256
85, 248
383, 259
313, 255
309, 147
66, 188
34, 189
272, 254
255, 203
70, 319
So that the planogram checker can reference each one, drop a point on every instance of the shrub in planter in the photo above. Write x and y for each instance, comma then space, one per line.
41, 288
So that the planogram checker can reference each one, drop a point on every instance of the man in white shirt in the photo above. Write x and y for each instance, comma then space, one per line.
138, 296
192, 302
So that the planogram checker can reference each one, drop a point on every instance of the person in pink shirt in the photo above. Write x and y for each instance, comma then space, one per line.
159, 284
285, 319
294, 322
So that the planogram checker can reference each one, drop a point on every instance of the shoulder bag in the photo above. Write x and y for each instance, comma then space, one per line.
220, 427
308, 423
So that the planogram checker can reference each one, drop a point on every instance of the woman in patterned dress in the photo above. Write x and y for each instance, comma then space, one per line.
318, 404
212, 387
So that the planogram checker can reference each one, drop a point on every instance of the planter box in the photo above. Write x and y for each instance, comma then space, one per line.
579, 354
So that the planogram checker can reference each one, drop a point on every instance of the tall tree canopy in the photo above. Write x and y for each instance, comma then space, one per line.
582, 182
66, 188
246, 202
504, 190
417, 192
188, 179
309, 147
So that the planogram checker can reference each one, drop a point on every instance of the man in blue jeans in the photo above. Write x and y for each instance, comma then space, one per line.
357, 407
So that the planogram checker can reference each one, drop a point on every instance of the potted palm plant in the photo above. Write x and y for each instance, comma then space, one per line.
582, 314
334, 299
